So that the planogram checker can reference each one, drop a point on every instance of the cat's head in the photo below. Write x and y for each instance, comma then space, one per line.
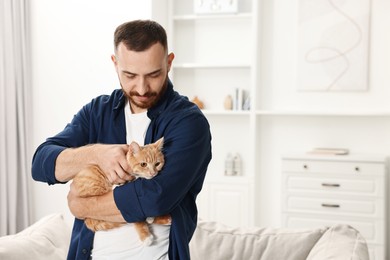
146, 161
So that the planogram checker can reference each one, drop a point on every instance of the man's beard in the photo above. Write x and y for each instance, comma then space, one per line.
152, 102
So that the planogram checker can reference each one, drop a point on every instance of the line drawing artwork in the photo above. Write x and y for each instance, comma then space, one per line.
333, 44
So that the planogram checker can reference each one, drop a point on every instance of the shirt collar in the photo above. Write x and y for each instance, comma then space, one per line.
162, 103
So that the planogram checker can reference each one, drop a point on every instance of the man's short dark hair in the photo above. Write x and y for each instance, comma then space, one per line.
139, 35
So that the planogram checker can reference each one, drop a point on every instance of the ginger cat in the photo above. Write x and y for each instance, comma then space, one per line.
145, 161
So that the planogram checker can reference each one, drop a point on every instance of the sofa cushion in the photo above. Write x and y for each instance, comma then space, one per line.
215, 241
48, 238
340, 242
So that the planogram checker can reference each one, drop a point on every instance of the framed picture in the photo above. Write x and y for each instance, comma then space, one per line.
333, 45
215, 6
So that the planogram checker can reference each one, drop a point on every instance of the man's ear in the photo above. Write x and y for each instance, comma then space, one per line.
171, 56
114, 60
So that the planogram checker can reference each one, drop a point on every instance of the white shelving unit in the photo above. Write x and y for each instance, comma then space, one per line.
214, 55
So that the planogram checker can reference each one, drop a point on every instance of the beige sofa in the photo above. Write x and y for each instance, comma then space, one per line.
216, 241
49, 239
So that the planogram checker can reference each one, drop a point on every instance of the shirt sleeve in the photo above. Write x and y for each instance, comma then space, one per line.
75, 134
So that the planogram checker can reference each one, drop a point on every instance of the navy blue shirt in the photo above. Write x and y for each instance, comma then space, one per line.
187, 151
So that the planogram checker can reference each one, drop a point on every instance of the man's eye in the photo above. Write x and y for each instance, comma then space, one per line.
155, 75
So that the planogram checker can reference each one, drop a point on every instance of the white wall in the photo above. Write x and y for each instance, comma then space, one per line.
283, 134
279, 64
72, 42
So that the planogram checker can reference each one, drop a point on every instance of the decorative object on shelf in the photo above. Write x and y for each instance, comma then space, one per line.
237, 170
197, 102
229, 165
215, 6
233, 165
247, 103
228, 102
241, 99
237, 103
329, 151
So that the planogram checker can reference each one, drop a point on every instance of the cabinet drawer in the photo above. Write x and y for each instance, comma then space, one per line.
372, 231
333, 167
371, 186
335, 206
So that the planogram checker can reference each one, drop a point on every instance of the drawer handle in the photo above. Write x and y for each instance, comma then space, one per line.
325, 205
305, 166
357, 169
330, 185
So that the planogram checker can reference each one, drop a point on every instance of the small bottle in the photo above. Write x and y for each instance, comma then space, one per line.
237, 167
229, 165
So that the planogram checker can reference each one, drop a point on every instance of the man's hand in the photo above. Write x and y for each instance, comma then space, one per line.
110, 158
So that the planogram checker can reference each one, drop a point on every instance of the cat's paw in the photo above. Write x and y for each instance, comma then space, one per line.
148, 240
149, 220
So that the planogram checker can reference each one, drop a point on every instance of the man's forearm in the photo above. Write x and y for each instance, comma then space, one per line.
111, 159
98, 207
72, 160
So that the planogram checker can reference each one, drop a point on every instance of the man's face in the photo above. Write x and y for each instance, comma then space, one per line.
142, 75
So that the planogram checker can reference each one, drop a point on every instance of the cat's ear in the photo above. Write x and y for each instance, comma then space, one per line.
159, 143
134, 147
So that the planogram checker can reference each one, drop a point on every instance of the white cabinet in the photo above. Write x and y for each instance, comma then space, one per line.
216, 56
325, 190
228, 202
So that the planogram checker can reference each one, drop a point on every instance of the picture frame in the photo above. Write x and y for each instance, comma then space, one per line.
215, 6
333, 45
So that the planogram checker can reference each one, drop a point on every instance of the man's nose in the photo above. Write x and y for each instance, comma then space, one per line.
143, 86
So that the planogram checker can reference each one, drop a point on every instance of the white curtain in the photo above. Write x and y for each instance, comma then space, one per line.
15, 109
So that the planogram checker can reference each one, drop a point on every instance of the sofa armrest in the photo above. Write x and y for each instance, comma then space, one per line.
48, 238
340, 242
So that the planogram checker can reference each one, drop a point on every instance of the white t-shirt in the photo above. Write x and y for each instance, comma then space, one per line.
123, 242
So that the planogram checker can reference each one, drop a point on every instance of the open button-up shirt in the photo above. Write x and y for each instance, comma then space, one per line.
187, 151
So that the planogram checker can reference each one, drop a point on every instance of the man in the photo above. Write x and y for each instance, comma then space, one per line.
144, 109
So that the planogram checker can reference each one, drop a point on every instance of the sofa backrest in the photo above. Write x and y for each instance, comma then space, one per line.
215, 241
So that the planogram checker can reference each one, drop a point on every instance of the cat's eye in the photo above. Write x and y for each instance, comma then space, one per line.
157, 164
144, 164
